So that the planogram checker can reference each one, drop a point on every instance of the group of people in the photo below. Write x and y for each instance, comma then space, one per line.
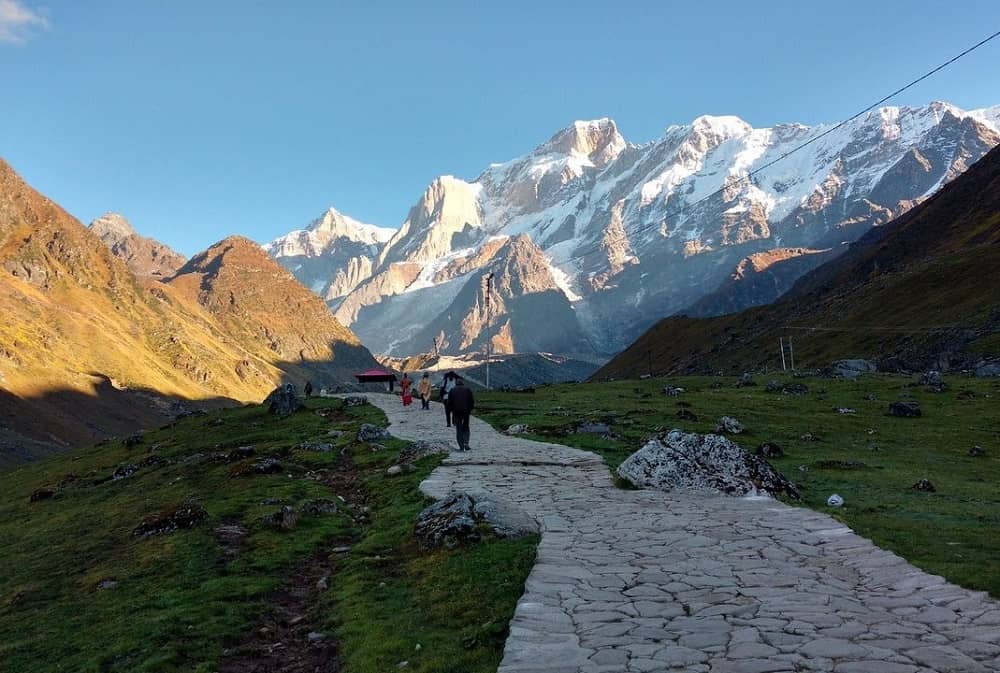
457, 398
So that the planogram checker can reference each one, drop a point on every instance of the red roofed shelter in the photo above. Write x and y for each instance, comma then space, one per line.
376, 376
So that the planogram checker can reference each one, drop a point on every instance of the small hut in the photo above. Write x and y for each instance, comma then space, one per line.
377, 376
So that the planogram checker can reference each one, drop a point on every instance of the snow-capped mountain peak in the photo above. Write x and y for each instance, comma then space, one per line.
633, 232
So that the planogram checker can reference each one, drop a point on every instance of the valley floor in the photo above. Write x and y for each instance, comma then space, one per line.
648, 581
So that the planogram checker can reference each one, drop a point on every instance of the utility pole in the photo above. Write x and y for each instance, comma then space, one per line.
791, 352
489, 315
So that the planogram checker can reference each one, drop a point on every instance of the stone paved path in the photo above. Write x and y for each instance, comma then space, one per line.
646, 581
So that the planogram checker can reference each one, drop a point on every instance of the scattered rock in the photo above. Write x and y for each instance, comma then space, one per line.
517, 429
871, 397
414, 451
796, 389
335, 433
318, 447
845, 410
689, 461
286, 518
905, 409
592, 428
125, 471
175, 518
355, 401
986, 369
41, 494
924, 485
458, 519
809, 437
834, 464
686, 414
320, 507
933, 382
730, 426
394, 470
769, 450
977, 451
315, 637
672, 391
107, 583
745, 380
263, 466
371, 433
835, 501
643, 377
283, 401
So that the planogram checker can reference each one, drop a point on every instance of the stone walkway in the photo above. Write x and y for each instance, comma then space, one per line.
647, 581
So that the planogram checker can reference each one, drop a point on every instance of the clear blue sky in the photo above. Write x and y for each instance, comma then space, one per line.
202, 119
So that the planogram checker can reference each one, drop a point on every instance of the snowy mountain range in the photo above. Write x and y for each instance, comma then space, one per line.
591, 238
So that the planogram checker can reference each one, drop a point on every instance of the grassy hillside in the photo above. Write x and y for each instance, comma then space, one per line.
922, 291
78, 325
80, 591
870, 458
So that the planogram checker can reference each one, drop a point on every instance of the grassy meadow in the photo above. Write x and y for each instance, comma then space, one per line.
79, 592
870, 458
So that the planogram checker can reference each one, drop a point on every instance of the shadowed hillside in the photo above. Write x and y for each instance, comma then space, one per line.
921, 291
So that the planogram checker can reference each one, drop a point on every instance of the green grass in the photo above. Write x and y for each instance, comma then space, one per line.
179, 602
952, 532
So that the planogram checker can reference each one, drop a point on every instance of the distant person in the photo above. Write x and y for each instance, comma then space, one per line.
406, 386
462, 404
446, 388
308, 389
424, 390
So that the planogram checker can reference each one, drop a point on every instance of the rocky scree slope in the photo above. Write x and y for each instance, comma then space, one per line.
628, 233
919, 292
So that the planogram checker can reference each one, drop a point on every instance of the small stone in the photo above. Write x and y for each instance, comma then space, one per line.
41, 494
107, 583
672, 391
318, 447
315, 637
977, 451
730, 426
355, 401
924, 485
905, 409
517, 429
845, 410
745, 380
686, 414
394, 470
809, 437
769, 450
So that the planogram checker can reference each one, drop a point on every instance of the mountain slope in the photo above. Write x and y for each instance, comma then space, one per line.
88, 349
144, 256
919, 292
634, 232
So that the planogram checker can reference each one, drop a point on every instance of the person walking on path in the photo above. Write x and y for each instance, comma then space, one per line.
462, 404
446, 388
424, 390
406, 385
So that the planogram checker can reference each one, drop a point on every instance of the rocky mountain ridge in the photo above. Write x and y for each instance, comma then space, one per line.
144, 256
628, 233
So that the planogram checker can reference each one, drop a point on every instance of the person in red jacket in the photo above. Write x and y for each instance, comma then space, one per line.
462, 403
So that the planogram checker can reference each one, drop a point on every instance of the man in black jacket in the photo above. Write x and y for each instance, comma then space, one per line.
462, 404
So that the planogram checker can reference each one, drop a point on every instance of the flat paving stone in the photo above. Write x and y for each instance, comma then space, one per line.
674, 581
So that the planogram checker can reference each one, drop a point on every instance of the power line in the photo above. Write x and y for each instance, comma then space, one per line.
795, 149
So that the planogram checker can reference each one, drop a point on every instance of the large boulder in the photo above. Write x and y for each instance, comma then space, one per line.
850, 369
707, 463
283, 401
371, 433
459, 519
985, 369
